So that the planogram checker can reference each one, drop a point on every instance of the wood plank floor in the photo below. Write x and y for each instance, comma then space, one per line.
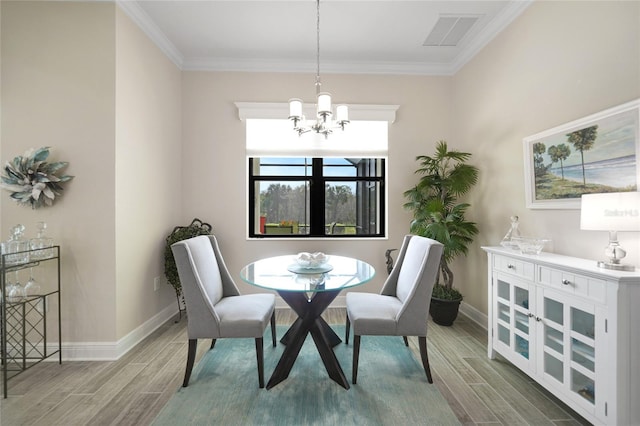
132, 390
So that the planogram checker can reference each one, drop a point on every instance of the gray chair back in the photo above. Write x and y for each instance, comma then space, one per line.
215, 308
412, 280
202, 276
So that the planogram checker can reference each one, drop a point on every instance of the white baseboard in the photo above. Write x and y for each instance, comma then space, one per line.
112, 351
474, 315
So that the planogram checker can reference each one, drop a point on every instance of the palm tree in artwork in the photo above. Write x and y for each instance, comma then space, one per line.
559, 153
538, 161
583, 140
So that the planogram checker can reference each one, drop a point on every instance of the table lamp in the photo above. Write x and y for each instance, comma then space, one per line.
613, 212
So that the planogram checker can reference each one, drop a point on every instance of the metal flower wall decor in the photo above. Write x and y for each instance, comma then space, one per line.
32, 180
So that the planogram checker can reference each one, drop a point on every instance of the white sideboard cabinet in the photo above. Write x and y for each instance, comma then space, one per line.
571, 326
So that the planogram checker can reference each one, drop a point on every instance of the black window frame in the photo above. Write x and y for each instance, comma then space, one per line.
317, 181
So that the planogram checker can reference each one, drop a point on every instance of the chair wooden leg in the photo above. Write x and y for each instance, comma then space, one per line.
422, 340
356, 355
260, 357
346, 333
406, 342
273, 328
213, 343
191, 357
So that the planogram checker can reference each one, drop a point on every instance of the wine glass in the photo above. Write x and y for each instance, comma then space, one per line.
16, 293
33, 288
8, 285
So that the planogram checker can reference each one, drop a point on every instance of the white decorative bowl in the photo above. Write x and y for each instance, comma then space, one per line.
311, 260
530, 245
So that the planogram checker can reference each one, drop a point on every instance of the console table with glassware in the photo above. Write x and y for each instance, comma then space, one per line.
571, 326
30, 306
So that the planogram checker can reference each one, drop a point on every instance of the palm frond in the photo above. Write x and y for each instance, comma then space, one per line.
437, 214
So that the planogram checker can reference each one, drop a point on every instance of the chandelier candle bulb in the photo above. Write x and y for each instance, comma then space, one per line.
342, 113
295, 108
324, 104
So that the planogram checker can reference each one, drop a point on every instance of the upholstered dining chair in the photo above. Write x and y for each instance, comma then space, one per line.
402, 307
215, 308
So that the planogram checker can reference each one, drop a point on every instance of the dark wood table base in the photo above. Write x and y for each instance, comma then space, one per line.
309, 321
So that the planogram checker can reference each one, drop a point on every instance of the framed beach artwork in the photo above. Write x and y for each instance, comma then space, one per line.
594, 154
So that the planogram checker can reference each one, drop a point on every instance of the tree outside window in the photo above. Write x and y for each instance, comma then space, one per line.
319, 197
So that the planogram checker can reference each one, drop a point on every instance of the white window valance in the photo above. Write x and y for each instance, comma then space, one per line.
269, 134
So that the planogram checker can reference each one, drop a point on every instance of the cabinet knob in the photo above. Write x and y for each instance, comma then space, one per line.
510, 266
538, 319
530, 315
566, 282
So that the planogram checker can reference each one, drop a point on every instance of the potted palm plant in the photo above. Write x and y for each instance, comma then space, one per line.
437, 214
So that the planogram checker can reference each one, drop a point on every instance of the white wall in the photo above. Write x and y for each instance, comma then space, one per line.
82, 78
559, 61
148, 168
58, 88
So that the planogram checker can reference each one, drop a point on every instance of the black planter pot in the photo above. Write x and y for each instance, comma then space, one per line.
444, 312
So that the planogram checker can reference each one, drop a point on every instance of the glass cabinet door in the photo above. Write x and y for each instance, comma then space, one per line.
553, 338
583, 354
568, 336
503, 310
521, 320
513, 318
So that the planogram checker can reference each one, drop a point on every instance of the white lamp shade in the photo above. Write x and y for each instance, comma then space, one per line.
295, 108
342, 113
617, 211
324, 103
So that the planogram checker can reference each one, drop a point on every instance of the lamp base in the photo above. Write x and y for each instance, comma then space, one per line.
616, 266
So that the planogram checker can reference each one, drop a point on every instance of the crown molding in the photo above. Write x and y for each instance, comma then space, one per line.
146, 24
266, 65
493, 28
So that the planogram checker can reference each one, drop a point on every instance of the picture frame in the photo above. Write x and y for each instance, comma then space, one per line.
594, 154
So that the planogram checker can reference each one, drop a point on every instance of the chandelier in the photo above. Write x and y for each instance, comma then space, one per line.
323, 123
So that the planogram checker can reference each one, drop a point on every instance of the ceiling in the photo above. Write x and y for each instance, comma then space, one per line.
356, 36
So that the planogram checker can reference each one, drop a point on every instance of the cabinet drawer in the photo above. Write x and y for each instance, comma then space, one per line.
581, 285
514, 266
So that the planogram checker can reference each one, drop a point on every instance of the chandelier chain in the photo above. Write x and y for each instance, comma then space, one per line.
324, 123
318, 47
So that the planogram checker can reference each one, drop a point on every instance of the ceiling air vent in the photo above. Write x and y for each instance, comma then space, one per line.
450, 29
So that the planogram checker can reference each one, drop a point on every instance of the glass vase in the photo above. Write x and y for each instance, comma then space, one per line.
513, 234
41, 244
17, 247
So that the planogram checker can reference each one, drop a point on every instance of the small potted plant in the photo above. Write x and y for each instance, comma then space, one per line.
437, 214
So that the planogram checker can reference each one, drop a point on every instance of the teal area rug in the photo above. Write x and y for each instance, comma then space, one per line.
392, 388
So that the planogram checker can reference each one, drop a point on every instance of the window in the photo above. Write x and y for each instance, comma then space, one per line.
316, 197
311, 186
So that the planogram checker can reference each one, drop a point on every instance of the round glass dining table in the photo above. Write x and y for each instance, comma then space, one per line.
308, 291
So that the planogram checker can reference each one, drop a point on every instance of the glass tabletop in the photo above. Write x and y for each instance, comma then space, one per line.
283, 273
